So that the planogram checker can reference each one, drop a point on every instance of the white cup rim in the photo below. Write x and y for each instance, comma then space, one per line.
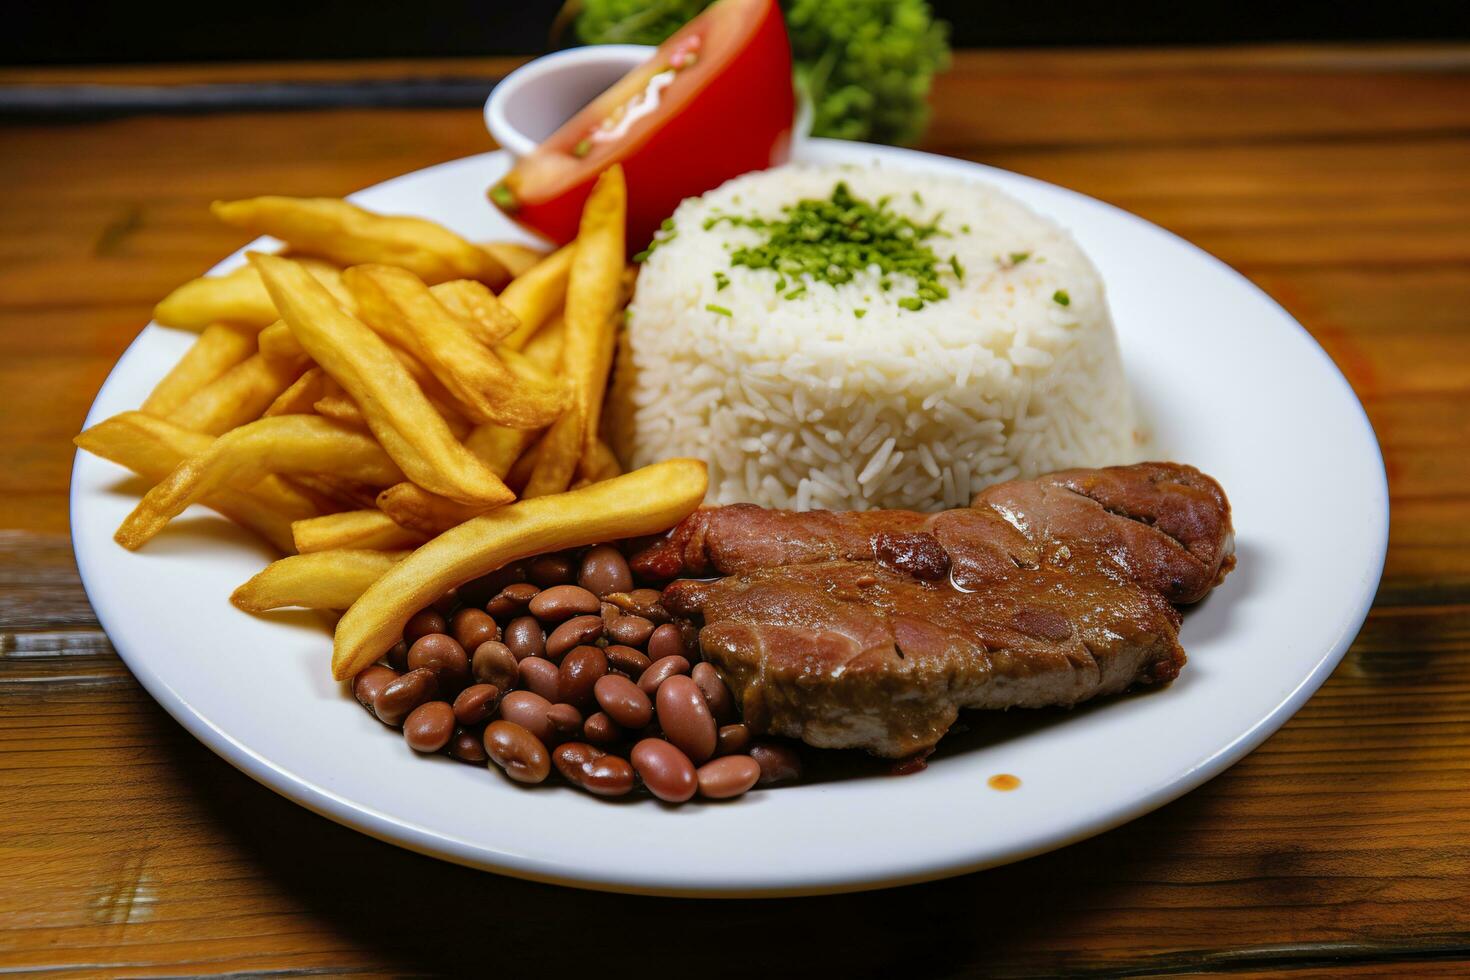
545, 71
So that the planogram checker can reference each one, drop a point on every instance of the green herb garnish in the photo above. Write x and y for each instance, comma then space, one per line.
582, 148
504, 198
859, 313
722, 311
721, 281
1061, 298
1018, 257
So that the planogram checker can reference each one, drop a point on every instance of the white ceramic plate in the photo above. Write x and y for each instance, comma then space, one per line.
1229, 382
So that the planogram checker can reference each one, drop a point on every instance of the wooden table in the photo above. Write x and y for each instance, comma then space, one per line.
1337, 179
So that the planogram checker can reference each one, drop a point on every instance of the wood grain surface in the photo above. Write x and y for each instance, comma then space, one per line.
1338, 179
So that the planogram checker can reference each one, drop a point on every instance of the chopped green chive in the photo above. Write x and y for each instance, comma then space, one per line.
504, 197
722, 311
721, 281
859, 313
917, 199
1061, 298
582, 148
911, 303
959, 270
1018, 257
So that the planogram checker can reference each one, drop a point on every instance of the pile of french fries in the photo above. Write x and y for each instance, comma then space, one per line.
373, 400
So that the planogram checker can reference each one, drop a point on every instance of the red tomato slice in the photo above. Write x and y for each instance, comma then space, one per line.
714, 102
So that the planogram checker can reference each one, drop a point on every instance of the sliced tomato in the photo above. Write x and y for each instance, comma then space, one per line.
714, 101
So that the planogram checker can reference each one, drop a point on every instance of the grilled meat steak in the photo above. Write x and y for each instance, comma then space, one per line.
872, 629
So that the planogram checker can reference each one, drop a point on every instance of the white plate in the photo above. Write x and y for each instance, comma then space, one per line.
1229, 382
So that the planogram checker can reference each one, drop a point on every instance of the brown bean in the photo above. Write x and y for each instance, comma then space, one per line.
561, 602
604, 570
429, 726
397, 656
478, 591
512, 600
589, 768
476, 703
565, 721
633, 631
647, 603
779, 762
517, 751
665, 641
528, 710
716, 694
608, 612
665, 770
580, 670
493, 663
472, 626
728, 776
443, 655
401, 696
623, 700
600, 729
369, 681
732, 739
423, 623
626, 660
685, 718
466, 746
541, 676
660, 671
574, 632
549, 570
525, 637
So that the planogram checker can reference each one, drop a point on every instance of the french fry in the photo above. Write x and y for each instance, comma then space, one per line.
340, 408
336, 495
285, 444
414, 435
278, 343
412, 506
236, 297
399, 306
520, 471
544, 349
645, 501
352, 529
152, 448
516, 258
605, 463
557, 455
489, 320
321, 580
299, 398
220, 347
239, 395
535, 294
349, 235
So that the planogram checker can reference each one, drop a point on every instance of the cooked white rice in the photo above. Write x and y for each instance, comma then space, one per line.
800, 403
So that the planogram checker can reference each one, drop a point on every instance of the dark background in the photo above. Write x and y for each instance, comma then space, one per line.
71, 32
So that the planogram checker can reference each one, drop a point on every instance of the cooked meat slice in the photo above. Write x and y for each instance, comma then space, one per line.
873, 629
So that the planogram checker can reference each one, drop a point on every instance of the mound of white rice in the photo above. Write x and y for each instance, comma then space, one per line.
802, 402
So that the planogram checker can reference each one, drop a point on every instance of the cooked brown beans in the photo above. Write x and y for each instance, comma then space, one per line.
466, 746
623, 700
471, 627
626, 659
604, 571
429, 726
660, 671
574, 632
423, 623
493, 663
631, 630
525, 637
779, 763
665, 641
600, 729
589, 768
665, 770
397, 656
478, 591
512, 600
685, 718
608, 612
517, 751
647, 603
369, 681
443, 655
401, 696
716, 694
728, 776
447, 602
528, 710
541, 676
476, 703
732, 740
565, 721
562, 602
580, 670
549, 570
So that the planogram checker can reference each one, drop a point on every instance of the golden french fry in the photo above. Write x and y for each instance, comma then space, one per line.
605, 463
299, 398
535, 294
335, 495
352, 529
340, 408
321, 580
544, 349
520, 471
557, 455
152, 448
236, 297
516, 258
427, 513
285, 444
472, 301
414, 434
645, 501
396, 304
220, 347
499, 447
278, 343
350, 235
239, 395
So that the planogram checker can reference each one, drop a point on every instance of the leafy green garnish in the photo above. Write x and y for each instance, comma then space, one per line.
1061, 298
721, 280
722, 311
